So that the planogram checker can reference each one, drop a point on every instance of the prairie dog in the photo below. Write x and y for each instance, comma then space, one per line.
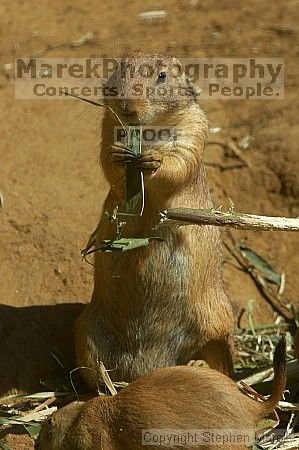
167, 304
170, 399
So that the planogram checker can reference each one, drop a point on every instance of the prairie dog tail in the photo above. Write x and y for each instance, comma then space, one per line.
279, 382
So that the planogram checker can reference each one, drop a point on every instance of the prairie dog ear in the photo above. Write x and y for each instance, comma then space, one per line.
177, 69
50, 420
176, 62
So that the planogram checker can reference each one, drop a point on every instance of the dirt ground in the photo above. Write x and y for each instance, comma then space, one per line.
53, 189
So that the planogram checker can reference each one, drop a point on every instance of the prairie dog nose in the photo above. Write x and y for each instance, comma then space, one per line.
127, 107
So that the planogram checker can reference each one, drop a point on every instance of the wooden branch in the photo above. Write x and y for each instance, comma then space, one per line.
230, 145
186, 216
276, 301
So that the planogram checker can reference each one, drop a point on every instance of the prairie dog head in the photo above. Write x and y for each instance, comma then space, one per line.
150, 88
79, 426
55, 430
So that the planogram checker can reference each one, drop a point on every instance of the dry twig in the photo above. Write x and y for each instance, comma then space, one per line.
230, 145
188, 216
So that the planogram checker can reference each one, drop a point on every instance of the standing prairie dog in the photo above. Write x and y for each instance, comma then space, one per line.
199, 401
164, 304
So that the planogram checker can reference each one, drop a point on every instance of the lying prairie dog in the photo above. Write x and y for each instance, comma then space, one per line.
167, 305
181, 398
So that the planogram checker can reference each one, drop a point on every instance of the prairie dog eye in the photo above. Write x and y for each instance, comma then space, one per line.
161, 78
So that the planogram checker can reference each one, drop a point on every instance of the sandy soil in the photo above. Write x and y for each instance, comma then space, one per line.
53, 189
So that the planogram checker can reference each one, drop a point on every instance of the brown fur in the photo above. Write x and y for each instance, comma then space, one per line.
174, 398
164, 304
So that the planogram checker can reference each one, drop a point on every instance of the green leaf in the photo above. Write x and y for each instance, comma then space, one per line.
124, 244
33, 429
265, 423
259, 263
4, 421
249, 312
8, 414
134, 185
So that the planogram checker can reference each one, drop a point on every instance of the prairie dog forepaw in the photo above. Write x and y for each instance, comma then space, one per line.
148, 161
121, 153
198, 363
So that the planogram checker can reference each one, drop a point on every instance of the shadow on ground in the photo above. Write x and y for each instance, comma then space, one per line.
29, 337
